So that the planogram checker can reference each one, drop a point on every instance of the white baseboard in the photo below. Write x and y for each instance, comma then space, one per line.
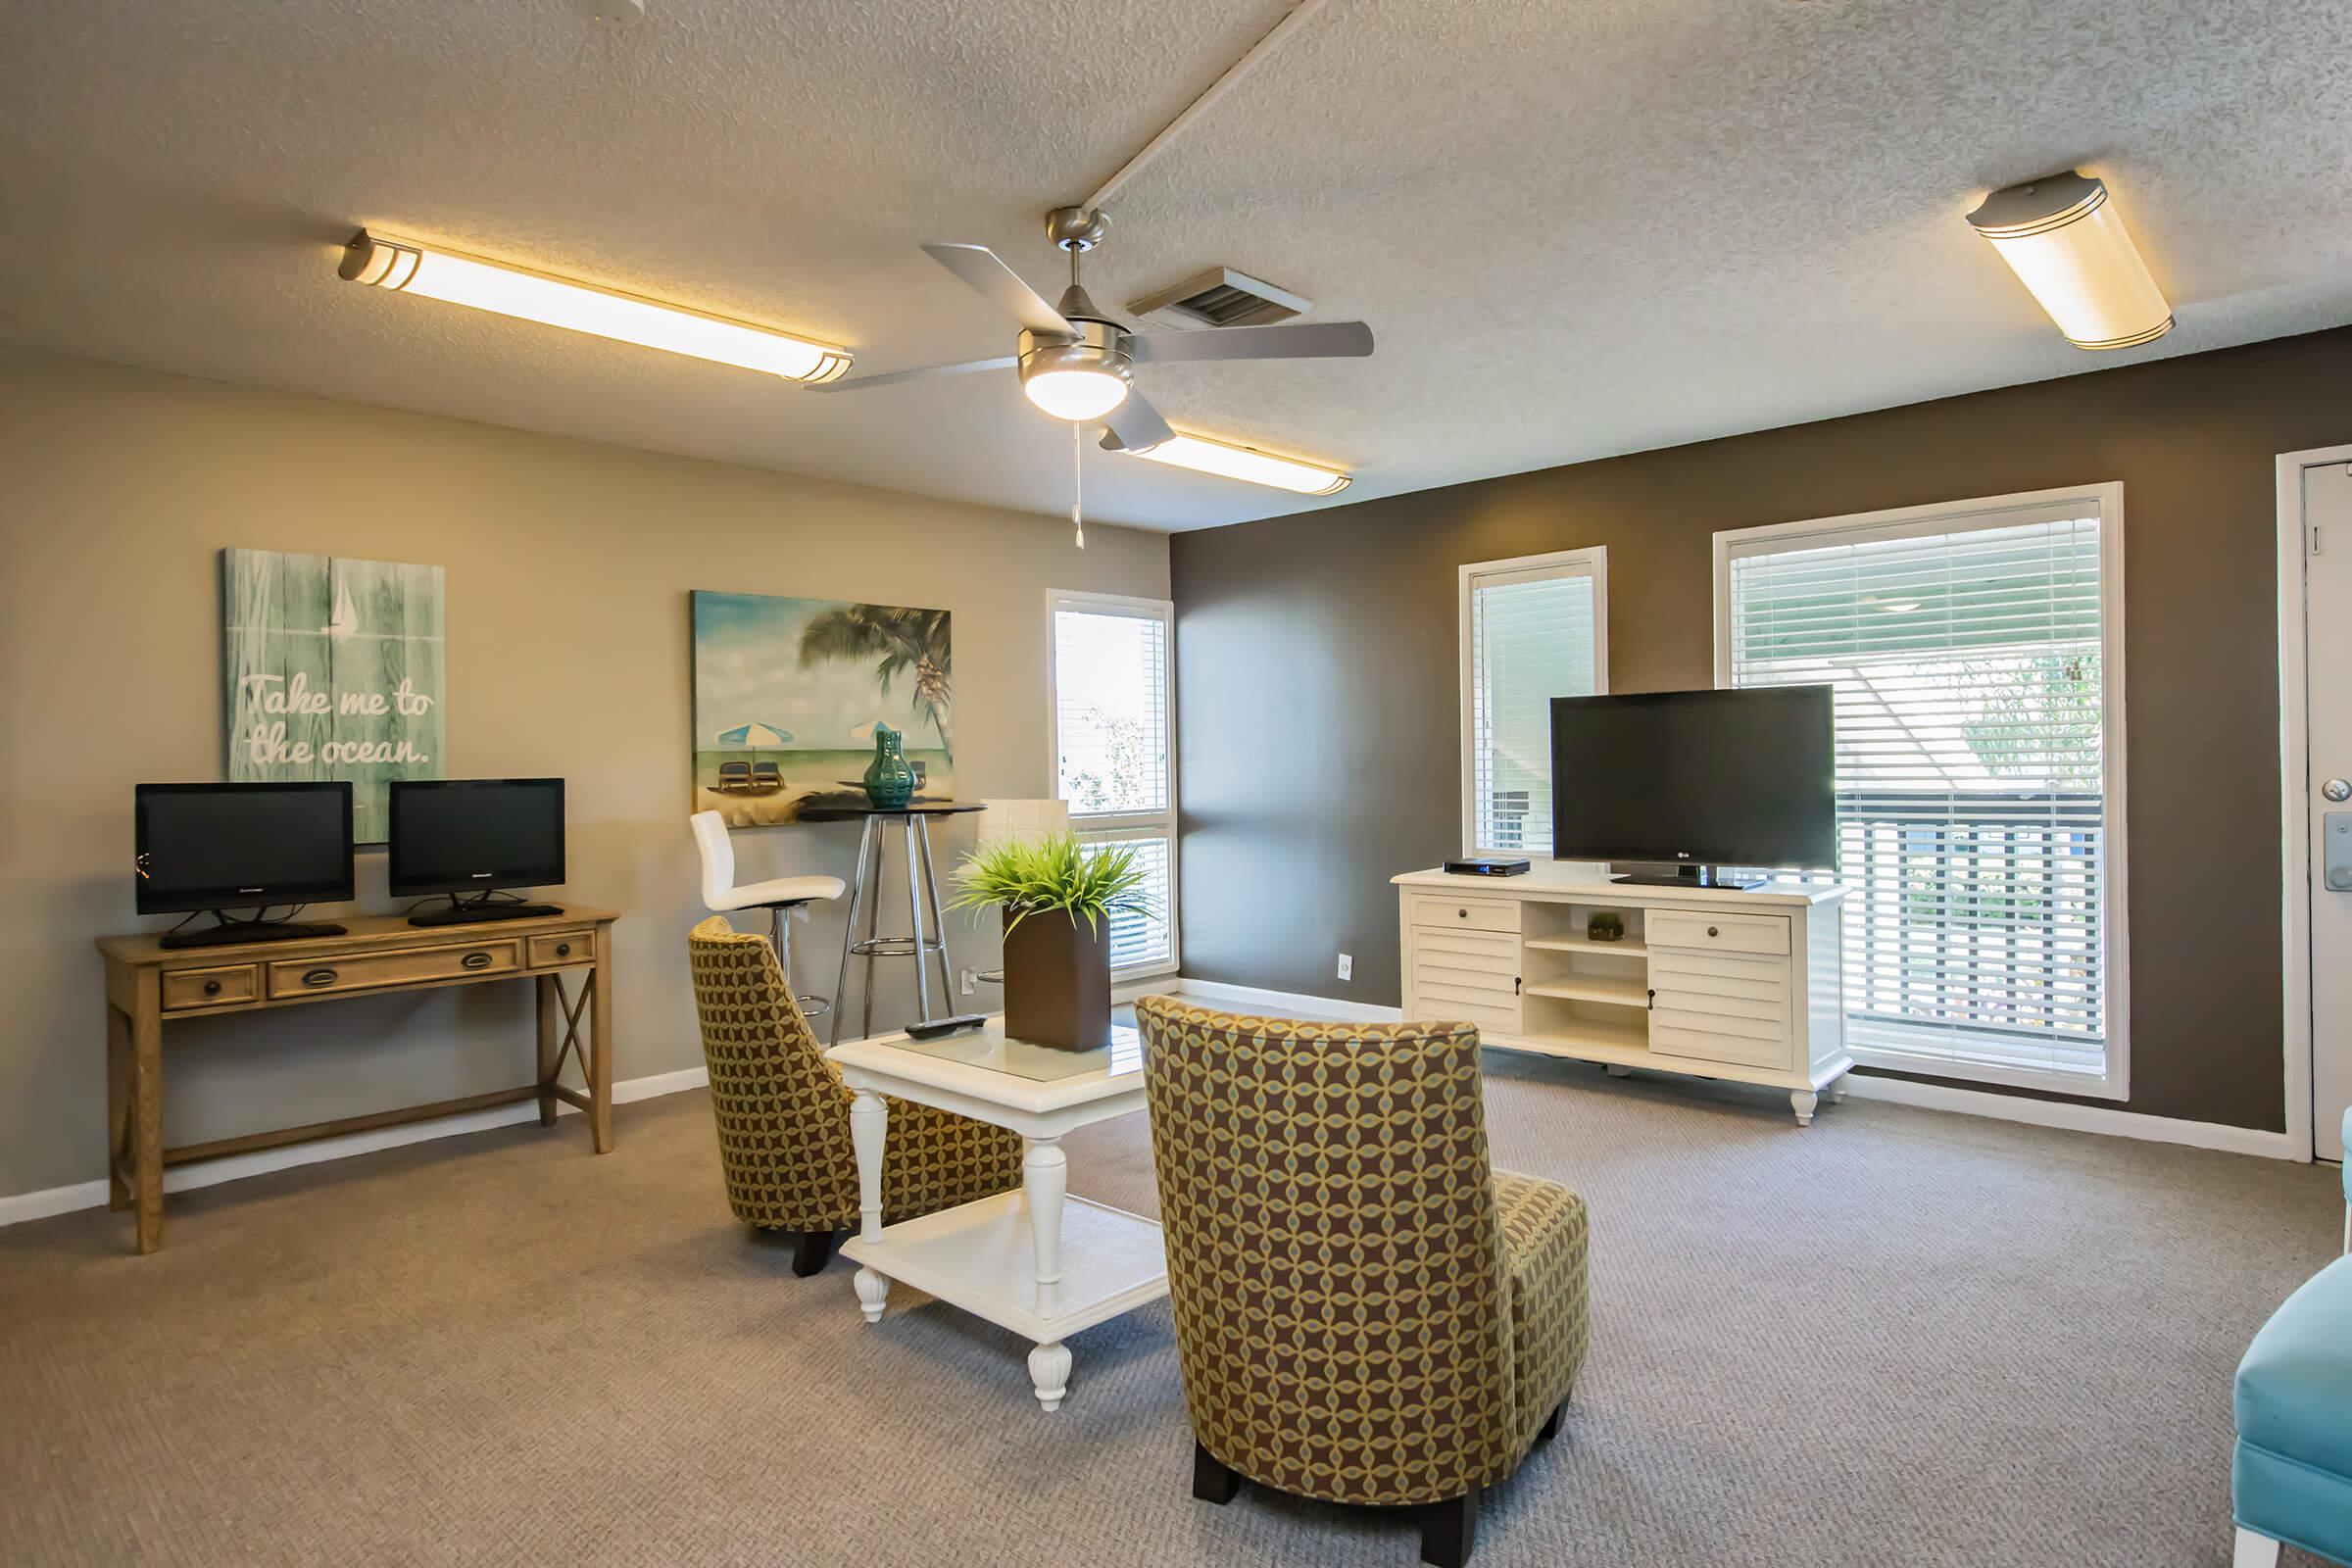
21, 1206
2074, 1118
1331, 1007
2064, 1114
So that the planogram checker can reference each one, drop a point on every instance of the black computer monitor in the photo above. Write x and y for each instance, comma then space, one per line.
241, 846
465, 836
1697, 780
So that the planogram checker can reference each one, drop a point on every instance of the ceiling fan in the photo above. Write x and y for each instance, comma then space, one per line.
1074, 360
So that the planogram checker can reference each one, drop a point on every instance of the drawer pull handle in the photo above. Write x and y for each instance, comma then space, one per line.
1711, 931
320, 977
476, 960
1464, 913
562, 950
212, 988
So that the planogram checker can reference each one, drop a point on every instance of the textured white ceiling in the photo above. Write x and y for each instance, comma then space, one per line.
1577, 228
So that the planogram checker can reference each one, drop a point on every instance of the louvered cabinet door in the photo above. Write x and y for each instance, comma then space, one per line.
1717, 1005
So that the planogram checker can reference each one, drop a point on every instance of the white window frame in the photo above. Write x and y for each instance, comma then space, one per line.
1593, 562
1961, 517
1114, 825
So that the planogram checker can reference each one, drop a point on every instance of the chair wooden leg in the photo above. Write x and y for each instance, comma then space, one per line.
1449, 1530
813, 1251
1211, 1481
1550, 1428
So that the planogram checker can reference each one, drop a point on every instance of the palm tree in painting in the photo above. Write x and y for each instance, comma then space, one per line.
899, 641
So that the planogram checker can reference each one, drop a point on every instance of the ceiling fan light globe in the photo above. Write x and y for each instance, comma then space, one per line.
1076, 395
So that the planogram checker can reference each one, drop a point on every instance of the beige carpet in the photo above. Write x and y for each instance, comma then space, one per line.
1897, 1338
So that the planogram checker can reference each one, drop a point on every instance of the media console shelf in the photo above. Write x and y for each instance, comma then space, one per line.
1706, 982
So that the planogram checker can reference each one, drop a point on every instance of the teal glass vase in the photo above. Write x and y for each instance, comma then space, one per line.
888, 779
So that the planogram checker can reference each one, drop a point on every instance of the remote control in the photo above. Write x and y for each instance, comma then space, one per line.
945, 1026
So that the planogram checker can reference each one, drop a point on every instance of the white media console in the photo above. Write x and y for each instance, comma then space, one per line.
1706, 982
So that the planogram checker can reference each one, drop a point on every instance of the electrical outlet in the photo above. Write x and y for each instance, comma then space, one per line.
1347, 965
971, 978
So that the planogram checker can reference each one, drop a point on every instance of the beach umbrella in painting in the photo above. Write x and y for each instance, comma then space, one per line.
754, 737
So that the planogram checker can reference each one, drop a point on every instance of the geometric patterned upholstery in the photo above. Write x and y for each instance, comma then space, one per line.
1365, 1311
784, 1114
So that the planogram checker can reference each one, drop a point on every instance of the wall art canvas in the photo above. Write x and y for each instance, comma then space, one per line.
333, 670
787, 693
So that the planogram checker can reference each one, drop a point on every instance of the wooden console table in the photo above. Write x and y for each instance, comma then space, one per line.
147, 984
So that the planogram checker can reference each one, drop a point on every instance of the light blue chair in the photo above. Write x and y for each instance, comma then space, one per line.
2291, 1476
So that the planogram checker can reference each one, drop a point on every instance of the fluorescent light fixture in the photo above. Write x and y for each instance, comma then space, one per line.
2064, 239
416, 269
1222, 458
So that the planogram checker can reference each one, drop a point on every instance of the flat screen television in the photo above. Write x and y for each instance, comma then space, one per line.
241, 846
464, 836
1697, 780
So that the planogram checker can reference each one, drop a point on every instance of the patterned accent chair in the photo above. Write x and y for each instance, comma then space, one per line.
1366, 1313
784, 1114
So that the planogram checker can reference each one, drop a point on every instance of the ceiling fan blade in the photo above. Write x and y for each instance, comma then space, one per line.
1290, 340
1134, 425
979, 266
924, 373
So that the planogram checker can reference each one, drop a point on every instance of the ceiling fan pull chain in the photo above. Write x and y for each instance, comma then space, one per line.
1077, 463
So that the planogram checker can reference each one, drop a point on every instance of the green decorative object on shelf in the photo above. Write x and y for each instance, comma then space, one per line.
1605, 926
889, 777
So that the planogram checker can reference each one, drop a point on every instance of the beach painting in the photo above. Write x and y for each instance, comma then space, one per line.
332, 670
787, 693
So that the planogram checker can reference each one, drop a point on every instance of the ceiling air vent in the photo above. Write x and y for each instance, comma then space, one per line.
1219, 297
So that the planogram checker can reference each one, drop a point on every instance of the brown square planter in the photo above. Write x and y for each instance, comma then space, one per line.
1058, 981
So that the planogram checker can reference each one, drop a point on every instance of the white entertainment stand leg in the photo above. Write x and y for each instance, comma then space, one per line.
869, 1127
1804, 1101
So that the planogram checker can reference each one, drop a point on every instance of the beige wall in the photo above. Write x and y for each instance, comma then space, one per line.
567, 569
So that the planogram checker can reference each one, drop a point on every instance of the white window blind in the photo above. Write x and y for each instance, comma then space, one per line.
1533, 629
1969, 655
1111, 753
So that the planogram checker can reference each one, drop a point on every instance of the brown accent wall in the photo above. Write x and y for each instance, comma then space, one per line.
1317, 682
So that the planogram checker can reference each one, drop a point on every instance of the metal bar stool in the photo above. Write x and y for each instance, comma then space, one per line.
779, 896
923, 938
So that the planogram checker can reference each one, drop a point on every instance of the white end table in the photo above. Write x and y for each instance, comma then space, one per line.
1036, 1261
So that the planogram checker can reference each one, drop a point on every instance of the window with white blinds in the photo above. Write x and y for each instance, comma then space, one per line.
1533, 628
1976, 653
1111, 702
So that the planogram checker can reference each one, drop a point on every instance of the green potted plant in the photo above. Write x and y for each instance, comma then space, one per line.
1058, 898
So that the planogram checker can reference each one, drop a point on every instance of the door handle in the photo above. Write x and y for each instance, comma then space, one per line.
2336, 788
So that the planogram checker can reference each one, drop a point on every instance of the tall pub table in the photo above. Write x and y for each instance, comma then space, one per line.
913, 823
148, 985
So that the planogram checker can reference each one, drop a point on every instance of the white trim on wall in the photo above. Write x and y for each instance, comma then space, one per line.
1899, 521
2294, 806
2074, 1117
17, 1207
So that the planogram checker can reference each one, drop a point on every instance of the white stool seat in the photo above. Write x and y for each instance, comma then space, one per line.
778, 896
776, 890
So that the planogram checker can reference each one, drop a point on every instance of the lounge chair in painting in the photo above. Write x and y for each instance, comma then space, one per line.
767, 777
734, 775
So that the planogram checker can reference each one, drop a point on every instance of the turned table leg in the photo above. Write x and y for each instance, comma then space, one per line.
1802, 1101
1045, 1181
870, 1126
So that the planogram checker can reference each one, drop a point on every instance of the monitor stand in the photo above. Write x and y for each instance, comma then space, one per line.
229, 933
473, 912
1692, 876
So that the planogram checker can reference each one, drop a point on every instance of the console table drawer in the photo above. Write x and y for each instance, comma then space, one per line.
558, 949
1706, 1038
208, 987
1502, 1016
1475, 914
296, 977
1733, 932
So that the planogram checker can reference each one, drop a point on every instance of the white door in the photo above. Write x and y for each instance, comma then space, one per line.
2327, 707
